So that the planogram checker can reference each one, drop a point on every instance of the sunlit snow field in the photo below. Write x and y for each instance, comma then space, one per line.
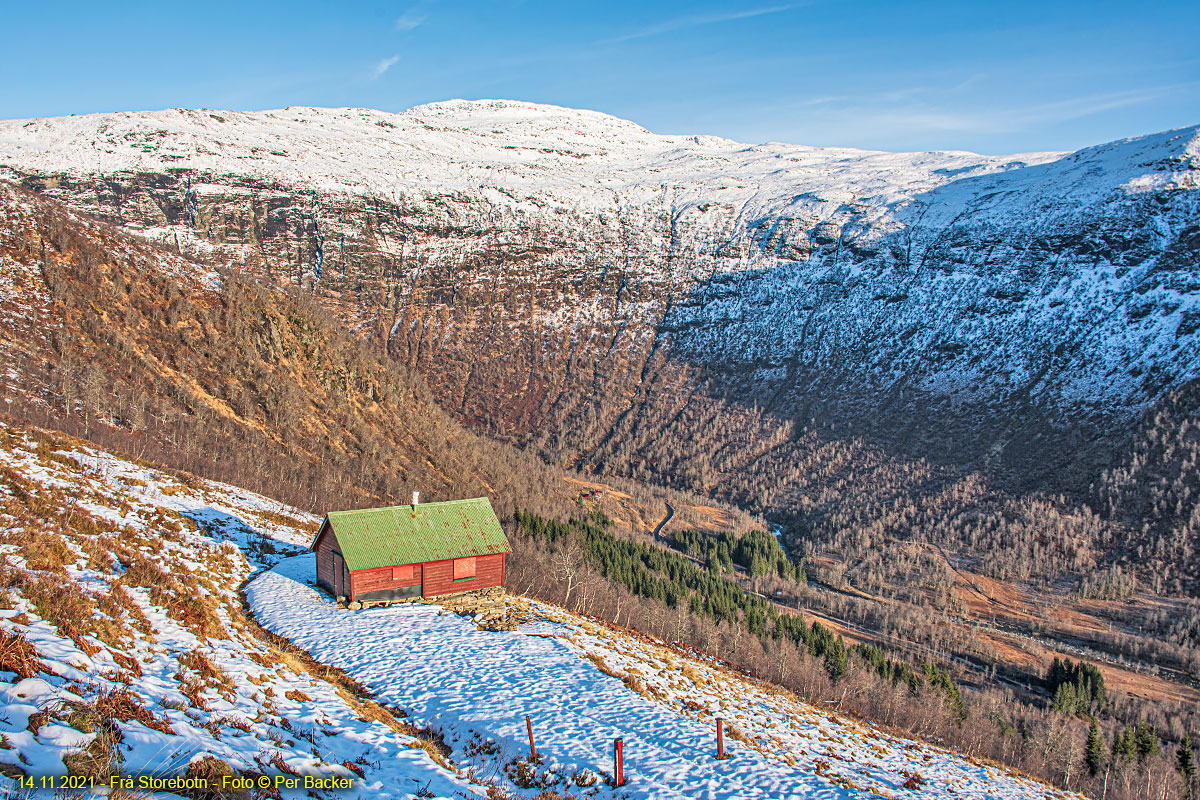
450, 675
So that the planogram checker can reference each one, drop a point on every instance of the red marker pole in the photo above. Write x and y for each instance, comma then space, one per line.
618, 748
532, 750
720, 738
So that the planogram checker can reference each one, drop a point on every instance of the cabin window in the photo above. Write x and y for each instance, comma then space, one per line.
405, 573
464, 568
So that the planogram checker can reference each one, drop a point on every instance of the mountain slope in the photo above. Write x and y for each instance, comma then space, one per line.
167, 352
459, 146
1057, 290
157, 668
113, 338
584, 684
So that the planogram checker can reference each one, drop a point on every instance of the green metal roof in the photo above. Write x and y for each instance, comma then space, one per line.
386, 537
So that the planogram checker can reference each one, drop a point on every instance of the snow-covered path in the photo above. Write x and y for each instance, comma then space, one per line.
449, 675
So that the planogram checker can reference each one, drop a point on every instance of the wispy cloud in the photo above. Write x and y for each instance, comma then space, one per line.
1014, 118
383, 66
696, 20
1079, 107
924, 117
409, 20
414, 17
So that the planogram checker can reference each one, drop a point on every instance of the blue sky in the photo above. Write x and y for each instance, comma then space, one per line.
991, 77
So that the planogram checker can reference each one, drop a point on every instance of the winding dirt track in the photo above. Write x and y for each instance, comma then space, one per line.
664, 521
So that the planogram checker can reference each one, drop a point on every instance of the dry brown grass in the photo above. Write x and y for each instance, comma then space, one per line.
212, 770
287, 521
433, 743
178, 592
100, 759
99, 717
122, 705
278, 763
62, 603
737, 734
601, 664
198, 614
234, 722
211, 674
99, 555
631, 680
47, 451
109, 626
140, 571
261, 660
17, 654
290, 661
193, 690
125, 601
127, 662
43, 551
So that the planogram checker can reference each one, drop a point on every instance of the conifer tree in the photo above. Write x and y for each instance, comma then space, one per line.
1186, 762
1124, 746
1146, 742
1065, 699
835, 659
1094, 753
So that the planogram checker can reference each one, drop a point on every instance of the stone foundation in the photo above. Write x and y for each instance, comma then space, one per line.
488, 606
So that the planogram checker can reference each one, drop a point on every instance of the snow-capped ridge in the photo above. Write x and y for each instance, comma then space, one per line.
570, 157
472, 112
461, 145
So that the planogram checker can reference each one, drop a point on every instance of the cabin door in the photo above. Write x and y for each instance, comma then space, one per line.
339, 580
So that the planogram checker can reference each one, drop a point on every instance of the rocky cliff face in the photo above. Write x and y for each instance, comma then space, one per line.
690, 308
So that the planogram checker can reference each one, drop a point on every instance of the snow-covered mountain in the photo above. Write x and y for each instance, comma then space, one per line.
583, 159
519, 254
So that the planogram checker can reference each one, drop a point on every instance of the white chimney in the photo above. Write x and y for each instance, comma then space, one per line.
416, 498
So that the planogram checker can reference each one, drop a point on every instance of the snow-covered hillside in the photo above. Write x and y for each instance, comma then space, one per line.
584, 684
125, 648
124, 580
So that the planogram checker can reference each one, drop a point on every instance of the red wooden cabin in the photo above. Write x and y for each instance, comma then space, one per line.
379, 555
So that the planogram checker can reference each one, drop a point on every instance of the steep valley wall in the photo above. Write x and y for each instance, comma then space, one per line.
795, 330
